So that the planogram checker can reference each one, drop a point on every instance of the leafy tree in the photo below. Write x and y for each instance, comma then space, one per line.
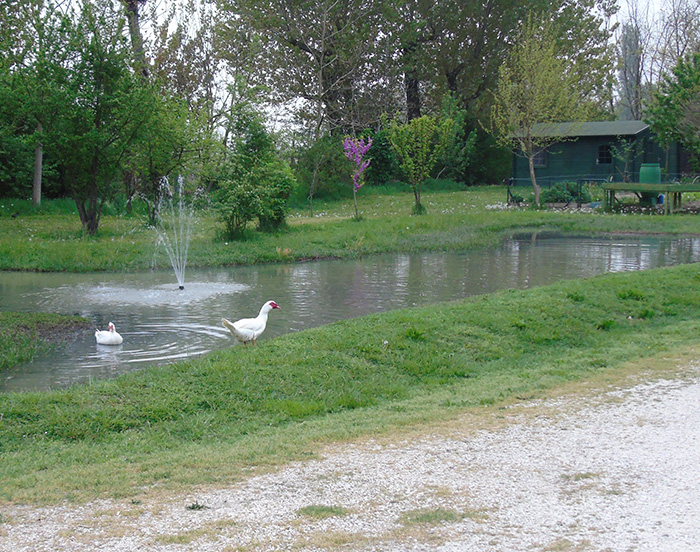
418, 144
537, 87
94, 113
167, 142
469, 42
411, 26
674, 114
185, 98
263, 193
34, 42
383, 167
582, 30
318, 49
238, 203
258, 183
461, 143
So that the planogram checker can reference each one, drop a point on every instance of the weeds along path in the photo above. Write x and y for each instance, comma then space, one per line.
614, 468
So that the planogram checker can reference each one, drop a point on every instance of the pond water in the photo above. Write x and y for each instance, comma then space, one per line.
162, 324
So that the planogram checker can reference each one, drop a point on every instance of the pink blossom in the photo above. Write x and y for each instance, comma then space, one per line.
355, 150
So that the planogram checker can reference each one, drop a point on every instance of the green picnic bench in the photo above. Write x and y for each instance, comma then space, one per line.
672, 192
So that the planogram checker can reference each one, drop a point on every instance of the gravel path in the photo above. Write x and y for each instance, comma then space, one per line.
613, 471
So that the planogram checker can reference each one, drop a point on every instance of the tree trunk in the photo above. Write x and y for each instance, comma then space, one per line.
412, 85
132, 15
89, 209
533, 179
418, 208
89, 216
38, 165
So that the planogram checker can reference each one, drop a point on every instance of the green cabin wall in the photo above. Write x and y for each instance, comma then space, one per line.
577, 159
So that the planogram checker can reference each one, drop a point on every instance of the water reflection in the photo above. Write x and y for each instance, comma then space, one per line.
161, 324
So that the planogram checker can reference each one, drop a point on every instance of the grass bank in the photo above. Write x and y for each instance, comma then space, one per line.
207, 421
52, 240
24, 335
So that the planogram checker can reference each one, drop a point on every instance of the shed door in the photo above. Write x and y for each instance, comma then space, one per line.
604, 166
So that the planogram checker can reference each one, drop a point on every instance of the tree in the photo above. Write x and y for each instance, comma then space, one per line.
418, 144
168, 140
678, 35
34, 42
321, 52
94, 108
674, 111
133, 15
318, 50
257, 183
461, 144
536, 87
469, 41
630, 73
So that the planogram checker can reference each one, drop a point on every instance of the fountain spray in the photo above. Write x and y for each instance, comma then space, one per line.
174, 221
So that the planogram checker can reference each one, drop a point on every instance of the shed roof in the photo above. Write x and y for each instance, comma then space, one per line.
592, 128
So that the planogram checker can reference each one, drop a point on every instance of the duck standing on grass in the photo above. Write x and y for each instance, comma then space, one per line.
109, 336
247, 330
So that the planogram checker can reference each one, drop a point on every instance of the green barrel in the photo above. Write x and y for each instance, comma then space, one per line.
650, 173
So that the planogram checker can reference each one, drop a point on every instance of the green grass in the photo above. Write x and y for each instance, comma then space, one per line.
52, 239
204, 421
321, 511
431, 516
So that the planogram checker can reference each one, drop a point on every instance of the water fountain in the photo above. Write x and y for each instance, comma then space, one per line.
175, 219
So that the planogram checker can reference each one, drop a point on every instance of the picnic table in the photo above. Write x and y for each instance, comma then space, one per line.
672, 192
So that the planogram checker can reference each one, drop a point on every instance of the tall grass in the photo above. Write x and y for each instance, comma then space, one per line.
202, 421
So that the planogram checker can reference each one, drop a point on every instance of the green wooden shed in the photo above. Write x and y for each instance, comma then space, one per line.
600, 150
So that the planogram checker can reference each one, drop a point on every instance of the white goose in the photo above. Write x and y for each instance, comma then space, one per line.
247, 330
109, 336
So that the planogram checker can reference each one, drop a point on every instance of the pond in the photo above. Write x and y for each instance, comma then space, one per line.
162, 324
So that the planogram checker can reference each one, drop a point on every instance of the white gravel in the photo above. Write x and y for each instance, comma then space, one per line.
614, 471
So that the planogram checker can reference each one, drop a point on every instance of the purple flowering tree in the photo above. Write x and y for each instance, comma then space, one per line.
355, 150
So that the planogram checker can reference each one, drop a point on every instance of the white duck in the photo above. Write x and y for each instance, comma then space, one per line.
247, 330
109, 336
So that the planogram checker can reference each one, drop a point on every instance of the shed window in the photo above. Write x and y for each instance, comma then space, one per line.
540, 159
604, 154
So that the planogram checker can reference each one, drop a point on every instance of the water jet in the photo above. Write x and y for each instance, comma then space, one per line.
173, 224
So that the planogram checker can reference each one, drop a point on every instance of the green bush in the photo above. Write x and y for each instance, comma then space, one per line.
276, 182
383, 168
239, 203
263, 193
322, 171
565, 192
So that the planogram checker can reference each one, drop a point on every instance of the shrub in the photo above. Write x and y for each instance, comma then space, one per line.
239, 203
263, 193
276, 181
322, 171
565, 192
383, 167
